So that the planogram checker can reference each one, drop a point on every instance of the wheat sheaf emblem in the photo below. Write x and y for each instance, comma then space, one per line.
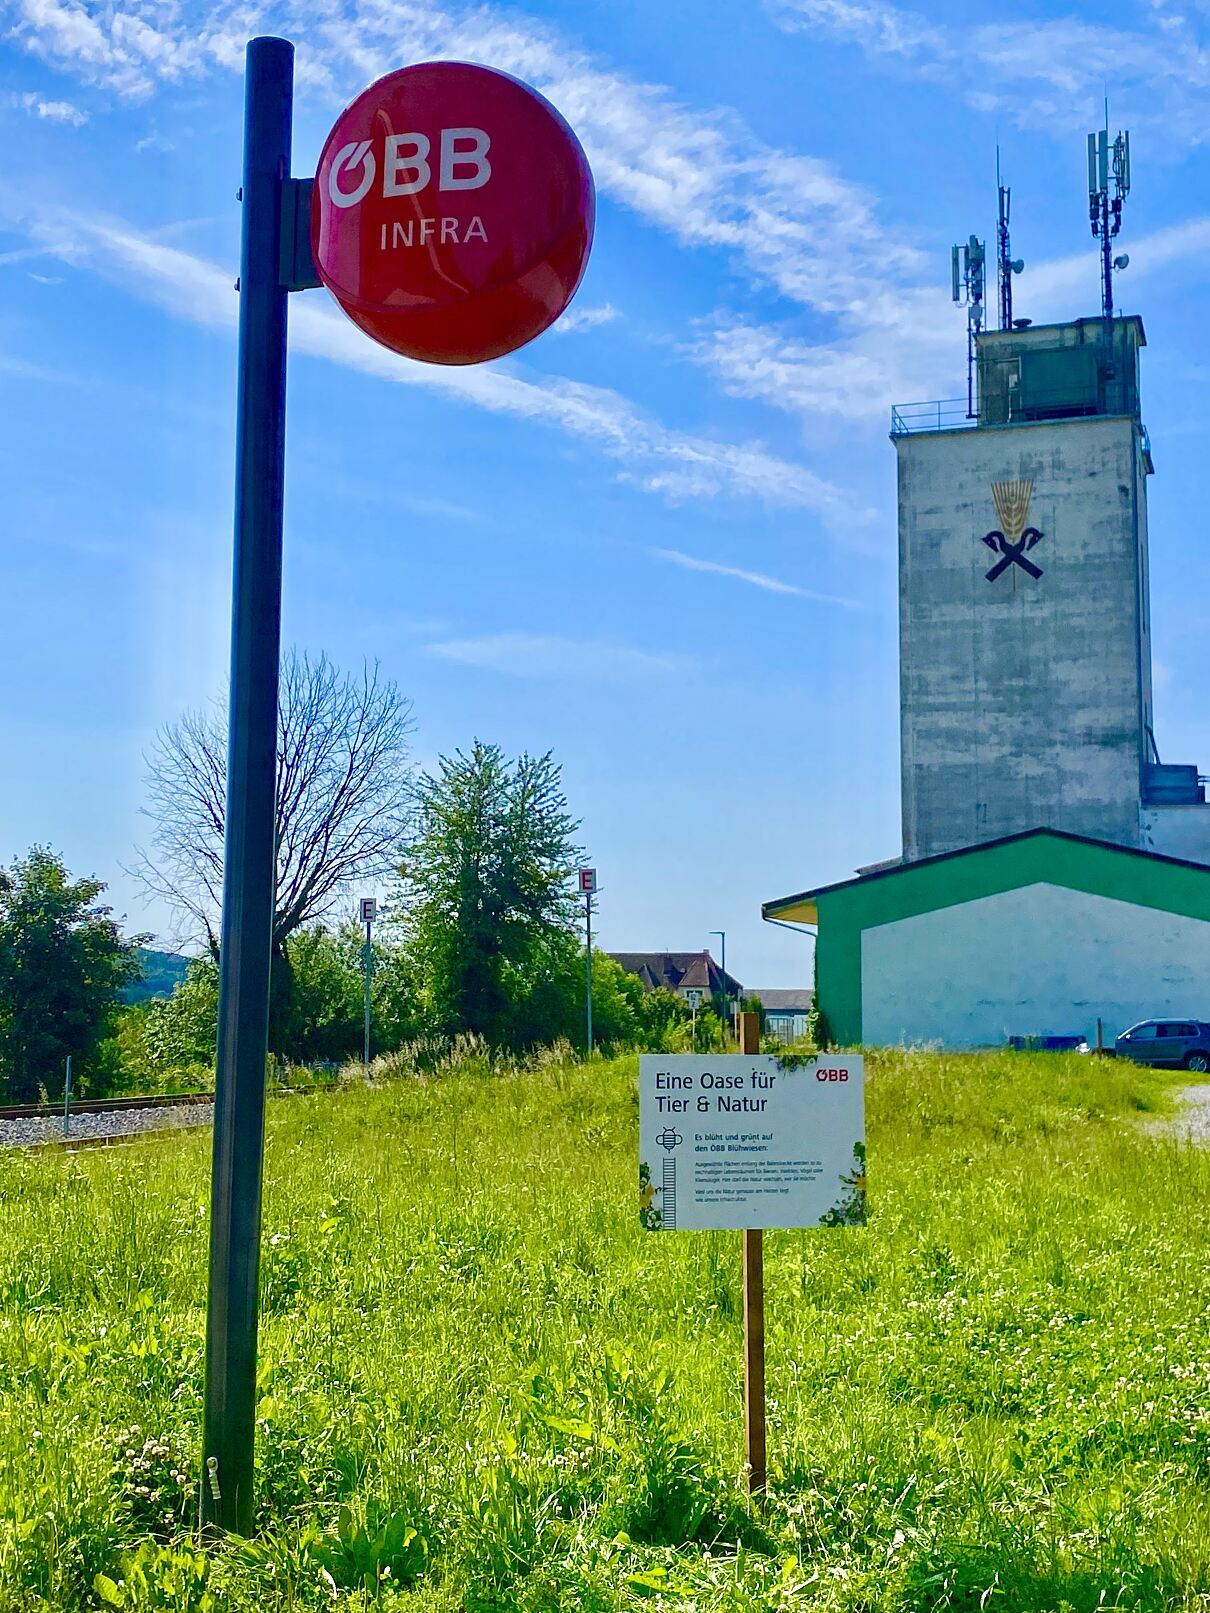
1014, 538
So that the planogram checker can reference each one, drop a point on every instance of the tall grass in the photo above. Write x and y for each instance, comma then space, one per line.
483, 1387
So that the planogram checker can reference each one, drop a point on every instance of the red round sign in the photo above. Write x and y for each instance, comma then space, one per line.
452, 212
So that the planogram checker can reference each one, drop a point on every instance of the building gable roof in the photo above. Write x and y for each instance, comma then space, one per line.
1147, 878
678, 971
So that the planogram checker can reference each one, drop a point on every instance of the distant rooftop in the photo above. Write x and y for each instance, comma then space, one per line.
678, 971
774, 1000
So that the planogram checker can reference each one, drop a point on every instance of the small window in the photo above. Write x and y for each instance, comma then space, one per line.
1168, 1030
1187, 1030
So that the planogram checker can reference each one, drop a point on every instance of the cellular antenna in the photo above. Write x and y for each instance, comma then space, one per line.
1108, 188
969, 265
1006, 264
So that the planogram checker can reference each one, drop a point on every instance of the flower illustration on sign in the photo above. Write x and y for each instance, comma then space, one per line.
1014, 538
850, 1208
649, 1216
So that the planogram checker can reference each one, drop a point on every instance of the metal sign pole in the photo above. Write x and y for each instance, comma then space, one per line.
368, 966
754, 1315
588, 954
248, 883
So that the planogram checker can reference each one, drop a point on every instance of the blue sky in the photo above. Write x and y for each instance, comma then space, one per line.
660, 540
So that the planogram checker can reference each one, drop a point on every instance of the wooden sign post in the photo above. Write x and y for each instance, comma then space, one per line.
754, 1314
729, 1139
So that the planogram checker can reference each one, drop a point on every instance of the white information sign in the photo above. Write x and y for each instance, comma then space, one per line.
736, 1140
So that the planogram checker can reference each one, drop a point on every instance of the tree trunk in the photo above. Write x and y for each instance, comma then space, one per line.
283, 1005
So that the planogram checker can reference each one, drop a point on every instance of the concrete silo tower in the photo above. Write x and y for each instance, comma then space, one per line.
1025, 656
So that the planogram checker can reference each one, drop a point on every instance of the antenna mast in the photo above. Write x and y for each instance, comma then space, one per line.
1006, 264
969, 280
1104, 209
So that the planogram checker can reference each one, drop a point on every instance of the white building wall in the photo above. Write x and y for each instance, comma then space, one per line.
1041, 960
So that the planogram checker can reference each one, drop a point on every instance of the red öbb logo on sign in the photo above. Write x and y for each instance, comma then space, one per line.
452, 212
831, 1075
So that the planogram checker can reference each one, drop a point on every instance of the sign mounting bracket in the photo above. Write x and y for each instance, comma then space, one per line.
298, 272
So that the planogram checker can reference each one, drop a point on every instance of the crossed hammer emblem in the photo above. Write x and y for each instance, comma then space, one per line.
1015, 539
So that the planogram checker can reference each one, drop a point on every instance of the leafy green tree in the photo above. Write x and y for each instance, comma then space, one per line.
488, 908
167, 1044
703, 1033
63, 966
617, 1002
329, 995
751, 1004
664, 1019
626, 1015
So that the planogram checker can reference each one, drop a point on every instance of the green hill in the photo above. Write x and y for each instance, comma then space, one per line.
162, 972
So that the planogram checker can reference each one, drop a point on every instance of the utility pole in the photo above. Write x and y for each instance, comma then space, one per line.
369, 909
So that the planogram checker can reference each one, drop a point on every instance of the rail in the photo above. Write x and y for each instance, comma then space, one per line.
1010, 407
944, 414
159, 1100
101, 1106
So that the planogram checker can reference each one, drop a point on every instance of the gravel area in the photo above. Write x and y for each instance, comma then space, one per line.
1191, 1123
119, 1123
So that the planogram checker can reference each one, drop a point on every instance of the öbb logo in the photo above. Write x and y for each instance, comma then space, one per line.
832, 1075
462, 164
486, 185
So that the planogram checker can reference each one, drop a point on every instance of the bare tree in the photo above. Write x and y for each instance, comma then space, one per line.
344, 797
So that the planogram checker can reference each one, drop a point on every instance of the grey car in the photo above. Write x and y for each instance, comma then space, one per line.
1173, 1042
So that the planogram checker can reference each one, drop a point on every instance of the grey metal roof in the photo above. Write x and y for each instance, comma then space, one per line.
775, 1000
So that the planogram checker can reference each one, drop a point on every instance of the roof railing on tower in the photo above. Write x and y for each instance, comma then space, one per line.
944, 414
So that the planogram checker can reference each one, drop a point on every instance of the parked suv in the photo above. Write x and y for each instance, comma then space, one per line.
1167, 1041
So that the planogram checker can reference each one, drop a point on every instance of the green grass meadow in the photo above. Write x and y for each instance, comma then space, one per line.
484, 1387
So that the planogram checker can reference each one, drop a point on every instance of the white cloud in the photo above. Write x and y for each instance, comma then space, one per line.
756, 579
653, 456
906, 344
119, 48
529, 655
789, 219
1049, 71
52, 111
585, 319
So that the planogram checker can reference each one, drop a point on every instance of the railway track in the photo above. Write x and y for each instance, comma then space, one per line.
92, 1124
101, 1106
101, 1122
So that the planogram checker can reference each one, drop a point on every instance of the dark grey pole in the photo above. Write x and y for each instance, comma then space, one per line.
248, 882
588, 964
369, 964
722, 935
